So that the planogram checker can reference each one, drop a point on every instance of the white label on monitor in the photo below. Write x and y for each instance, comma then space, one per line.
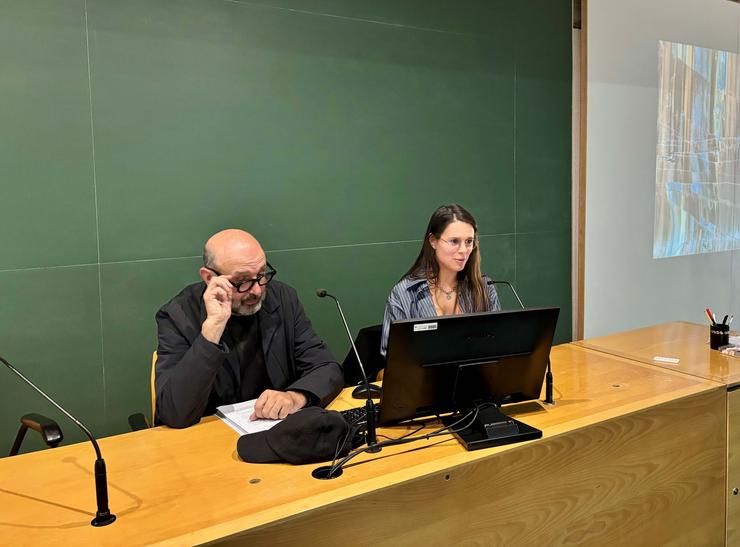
420, 327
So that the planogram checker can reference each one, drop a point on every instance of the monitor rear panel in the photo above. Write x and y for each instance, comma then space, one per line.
443, 363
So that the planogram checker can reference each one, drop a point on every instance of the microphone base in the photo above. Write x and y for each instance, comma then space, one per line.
373, 449
361, 393
103, 519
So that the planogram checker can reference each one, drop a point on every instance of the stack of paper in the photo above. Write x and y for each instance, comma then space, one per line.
236, 416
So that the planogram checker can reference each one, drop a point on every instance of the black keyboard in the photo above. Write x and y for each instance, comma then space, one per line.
358, 416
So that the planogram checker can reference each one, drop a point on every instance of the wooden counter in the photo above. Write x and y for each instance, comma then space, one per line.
689, 342
630, 454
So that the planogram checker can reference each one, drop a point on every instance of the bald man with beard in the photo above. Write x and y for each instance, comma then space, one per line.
238, 335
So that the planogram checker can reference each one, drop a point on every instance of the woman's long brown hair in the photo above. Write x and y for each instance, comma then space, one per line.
469, 280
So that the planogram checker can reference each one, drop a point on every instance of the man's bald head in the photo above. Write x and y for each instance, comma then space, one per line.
232, 249
238, 256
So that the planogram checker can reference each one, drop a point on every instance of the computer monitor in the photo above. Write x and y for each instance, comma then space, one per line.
442, 364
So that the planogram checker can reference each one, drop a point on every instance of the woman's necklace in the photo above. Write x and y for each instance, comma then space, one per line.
449, 293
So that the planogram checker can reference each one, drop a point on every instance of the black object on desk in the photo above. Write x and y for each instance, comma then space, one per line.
103, 516
719, 335
367, 343
492, 428
463, 362
371, 436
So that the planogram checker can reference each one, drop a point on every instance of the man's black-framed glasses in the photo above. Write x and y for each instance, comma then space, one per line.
261, 279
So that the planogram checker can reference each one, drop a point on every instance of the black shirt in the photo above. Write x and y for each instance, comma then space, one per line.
244, 377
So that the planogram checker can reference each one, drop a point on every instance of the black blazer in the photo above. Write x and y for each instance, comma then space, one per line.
188, 364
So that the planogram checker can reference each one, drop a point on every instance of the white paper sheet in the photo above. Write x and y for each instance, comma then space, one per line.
236, 416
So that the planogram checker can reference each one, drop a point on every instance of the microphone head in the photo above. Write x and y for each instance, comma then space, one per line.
321, 293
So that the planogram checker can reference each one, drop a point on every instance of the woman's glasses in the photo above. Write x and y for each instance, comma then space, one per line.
456, 242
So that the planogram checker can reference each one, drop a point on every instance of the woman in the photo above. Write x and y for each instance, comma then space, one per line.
446, 278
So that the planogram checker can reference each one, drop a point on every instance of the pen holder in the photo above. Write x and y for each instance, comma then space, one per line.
719, 335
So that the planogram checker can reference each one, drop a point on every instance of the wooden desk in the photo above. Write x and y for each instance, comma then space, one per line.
631, 454
689, 342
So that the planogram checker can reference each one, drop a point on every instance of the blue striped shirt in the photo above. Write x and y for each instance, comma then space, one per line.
412, 299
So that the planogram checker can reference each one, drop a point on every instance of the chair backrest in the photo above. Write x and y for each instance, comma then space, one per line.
153, 392
367, 343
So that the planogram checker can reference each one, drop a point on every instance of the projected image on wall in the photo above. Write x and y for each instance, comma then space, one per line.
696, 190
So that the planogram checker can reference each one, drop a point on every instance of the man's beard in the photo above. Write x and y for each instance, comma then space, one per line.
243, 308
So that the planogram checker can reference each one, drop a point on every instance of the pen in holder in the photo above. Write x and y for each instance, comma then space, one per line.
719, 335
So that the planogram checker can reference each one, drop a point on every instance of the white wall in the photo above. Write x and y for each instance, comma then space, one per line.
624, 286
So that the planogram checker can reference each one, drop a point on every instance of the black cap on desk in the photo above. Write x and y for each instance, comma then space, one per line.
309, 435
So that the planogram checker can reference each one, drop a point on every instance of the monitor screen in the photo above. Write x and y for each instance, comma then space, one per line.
440, 364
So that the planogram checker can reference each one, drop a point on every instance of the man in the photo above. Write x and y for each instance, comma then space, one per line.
233, 338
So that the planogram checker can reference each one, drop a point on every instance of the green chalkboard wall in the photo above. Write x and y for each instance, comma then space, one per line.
133, 129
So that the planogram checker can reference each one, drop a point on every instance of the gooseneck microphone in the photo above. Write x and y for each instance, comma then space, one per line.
521, 305
370, 438
548, 377
103, 516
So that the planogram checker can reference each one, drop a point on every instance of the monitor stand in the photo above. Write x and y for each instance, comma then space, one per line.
492, 428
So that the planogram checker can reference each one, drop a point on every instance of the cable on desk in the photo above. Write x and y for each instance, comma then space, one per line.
351, 430
420, 426
446, 430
